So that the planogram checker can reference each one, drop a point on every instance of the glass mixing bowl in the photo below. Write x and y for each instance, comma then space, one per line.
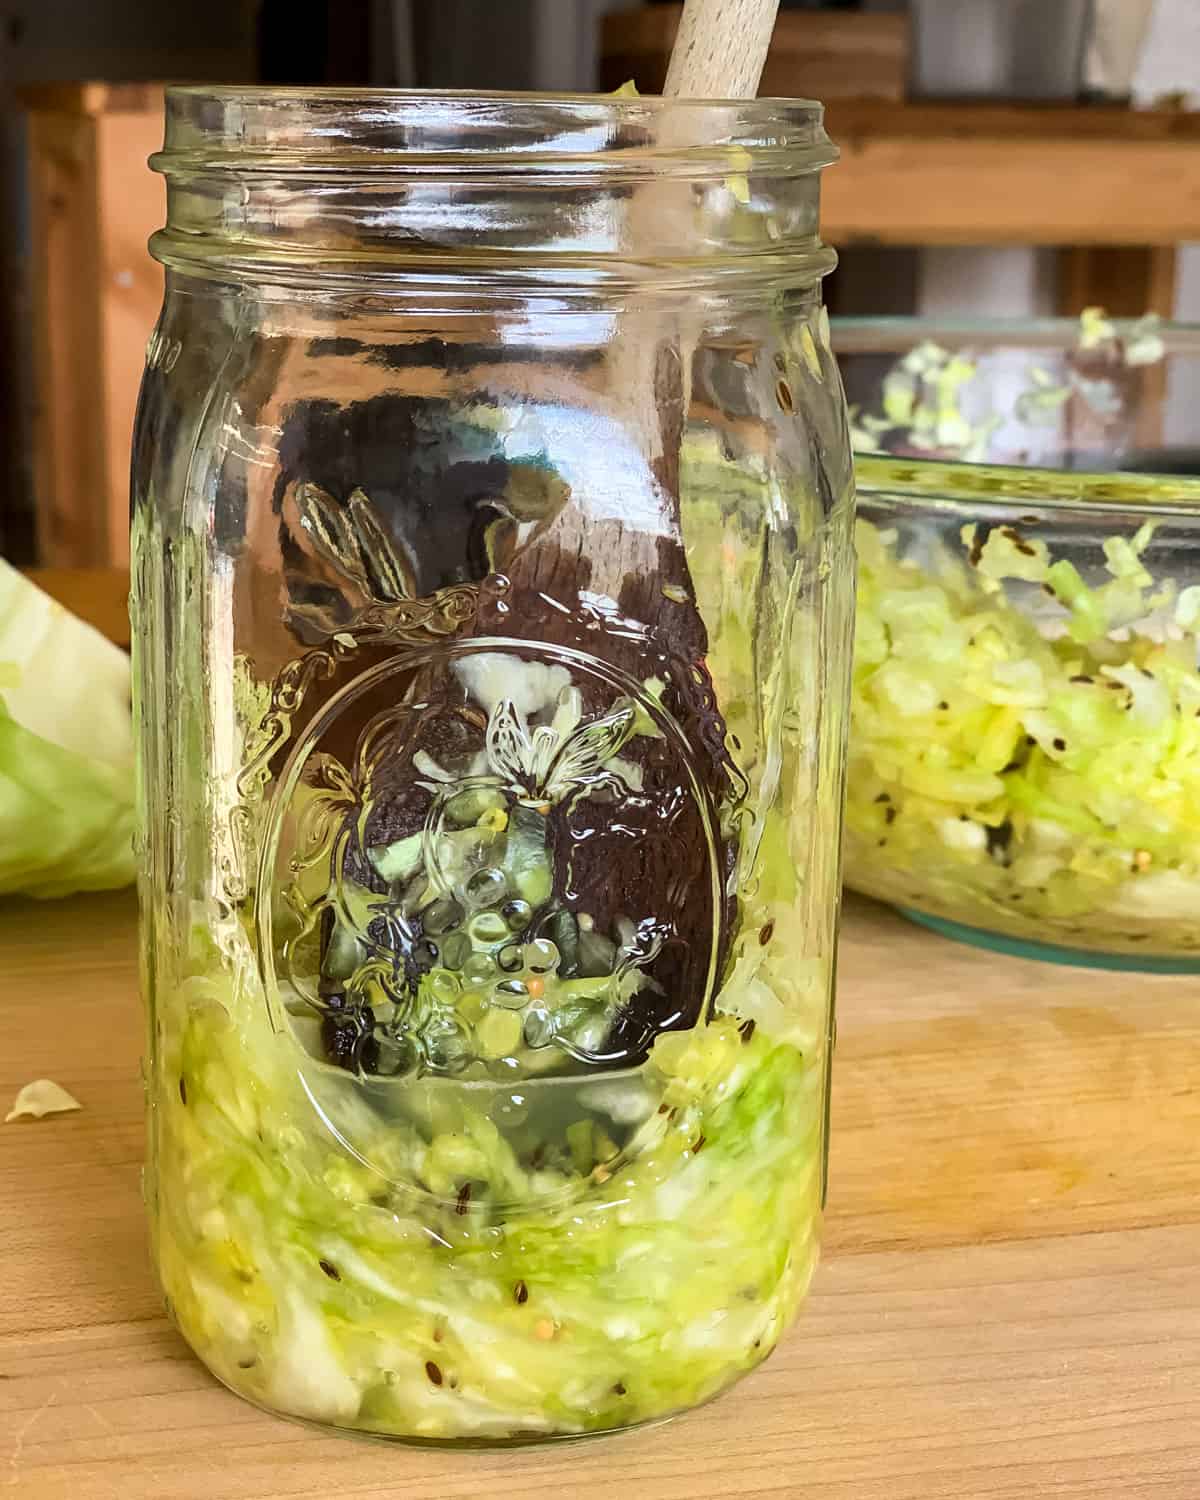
1024, 765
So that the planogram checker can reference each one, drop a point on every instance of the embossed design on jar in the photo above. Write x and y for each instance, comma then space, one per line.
162, 353
353, 540
436, 917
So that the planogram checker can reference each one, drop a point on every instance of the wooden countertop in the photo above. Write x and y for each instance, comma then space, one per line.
1009, 1306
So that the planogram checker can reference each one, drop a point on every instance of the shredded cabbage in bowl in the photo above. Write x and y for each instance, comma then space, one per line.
1025, 746
1025, 742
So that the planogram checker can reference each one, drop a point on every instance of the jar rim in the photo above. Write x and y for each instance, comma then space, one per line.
343, 93
418, 131
558, 194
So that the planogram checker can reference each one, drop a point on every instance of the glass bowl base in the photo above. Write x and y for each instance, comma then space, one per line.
1052, 953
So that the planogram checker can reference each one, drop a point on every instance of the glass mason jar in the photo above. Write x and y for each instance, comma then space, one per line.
492, 581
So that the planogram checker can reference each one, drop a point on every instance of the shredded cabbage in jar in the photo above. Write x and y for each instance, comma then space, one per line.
543, 1297
485, 1256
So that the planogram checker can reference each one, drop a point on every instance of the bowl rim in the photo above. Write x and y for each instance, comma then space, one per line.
1001, 489
1178, 334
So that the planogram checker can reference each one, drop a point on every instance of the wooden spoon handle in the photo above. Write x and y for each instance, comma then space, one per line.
721, 48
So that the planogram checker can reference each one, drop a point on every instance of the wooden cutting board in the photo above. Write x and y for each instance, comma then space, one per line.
1009, 1307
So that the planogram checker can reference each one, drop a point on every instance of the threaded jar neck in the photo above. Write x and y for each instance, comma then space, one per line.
317, 186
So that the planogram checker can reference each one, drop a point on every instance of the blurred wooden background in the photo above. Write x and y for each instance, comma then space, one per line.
1112, 191
99, 596
95, 294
